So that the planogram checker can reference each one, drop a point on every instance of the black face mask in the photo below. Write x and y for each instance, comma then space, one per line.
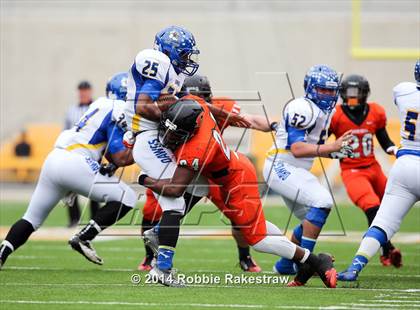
356, 113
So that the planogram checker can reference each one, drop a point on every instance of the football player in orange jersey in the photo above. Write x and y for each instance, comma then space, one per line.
190, 130
362, 176
199, 85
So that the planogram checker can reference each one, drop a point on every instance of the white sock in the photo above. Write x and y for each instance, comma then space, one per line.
305, 256
277, 245
272, 229
369, 247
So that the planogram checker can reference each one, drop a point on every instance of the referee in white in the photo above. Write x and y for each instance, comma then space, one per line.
74, 113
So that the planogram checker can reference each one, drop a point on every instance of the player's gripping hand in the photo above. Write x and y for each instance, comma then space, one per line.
344, 146
392, 150
165, 101
345, 152
129, 139
108, 169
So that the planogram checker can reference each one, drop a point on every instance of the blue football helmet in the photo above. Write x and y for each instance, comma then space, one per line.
179, 45
417, 72
116, 88
322, 77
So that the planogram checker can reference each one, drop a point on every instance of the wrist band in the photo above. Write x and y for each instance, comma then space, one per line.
317, 151
141, 178
273, 126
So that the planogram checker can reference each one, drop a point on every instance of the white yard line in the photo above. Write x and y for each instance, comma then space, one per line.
414, 302
205, 232
148, 304
376, 306
134, 270
403, 291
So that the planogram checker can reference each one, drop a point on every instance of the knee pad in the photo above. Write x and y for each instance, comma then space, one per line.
377, 233
317, 216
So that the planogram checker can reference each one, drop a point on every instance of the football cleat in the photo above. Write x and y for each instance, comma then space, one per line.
295, 283
86, 249
304, 273
385, 260
249, 265
396, 258
349, 275
151, 239
165, 277
326, 270
147, 264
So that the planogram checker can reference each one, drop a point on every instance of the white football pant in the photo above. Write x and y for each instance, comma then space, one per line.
64, 172
299, 188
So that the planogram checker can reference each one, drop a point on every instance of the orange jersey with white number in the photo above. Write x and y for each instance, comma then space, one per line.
363, 134
206, 152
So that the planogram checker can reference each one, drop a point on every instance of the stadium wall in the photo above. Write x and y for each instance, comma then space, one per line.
47, 47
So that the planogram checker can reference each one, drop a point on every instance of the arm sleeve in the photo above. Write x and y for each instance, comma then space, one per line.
383, 138
115, 138
294, 135
152, 88
299, 117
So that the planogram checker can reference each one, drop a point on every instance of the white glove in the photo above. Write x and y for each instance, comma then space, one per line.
346, 151
129, 139
337, 155
392, 150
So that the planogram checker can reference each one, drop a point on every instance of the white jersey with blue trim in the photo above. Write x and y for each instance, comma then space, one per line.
95, 132
153, 74
407, 99
302, 121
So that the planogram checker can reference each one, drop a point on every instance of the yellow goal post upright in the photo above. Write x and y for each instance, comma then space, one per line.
380, 53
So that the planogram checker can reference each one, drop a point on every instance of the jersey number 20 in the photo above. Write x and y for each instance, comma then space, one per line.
366, 142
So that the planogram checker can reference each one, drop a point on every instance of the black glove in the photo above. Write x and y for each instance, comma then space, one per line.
141, 178
274, 126
108, 169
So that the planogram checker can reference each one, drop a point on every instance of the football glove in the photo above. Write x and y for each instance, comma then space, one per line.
129, 139
346, 151
108, 169
392, 150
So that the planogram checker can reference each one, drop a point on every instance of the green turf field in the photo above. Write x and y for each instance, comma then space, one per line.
48, 275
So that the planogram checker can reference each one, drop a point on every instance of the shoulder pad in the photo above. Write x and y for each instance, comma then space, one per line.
301, 113
118, 109
103, 103
153, 64
376, 107
404, 88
